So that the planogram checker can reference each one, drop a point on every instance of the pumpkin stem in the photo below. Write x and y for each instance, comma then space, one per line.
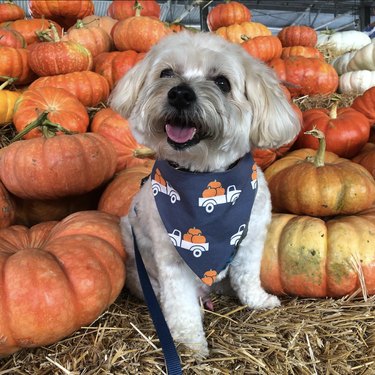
48, 128
144, 153
9, 80
333, 111
318, 159
80, 24
138, 8
49, 35
245, 37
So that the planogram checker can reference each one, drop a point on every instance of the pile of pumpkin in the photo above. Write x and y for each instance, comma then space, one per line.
73, 167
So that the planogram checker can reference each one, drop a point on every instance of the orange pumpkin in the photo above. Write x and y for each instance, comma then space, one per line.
115, 128
8, 100
36, 108
104, 22
114, 65
264, 48
58, 277
139, 33
14, 63
227, 14
9, 11
298, 35
365, 104
306, 182
11, 38
90, 88
95, 39
126, 185
310, 52
309, 257
235, 33
120, 9
51, 168
306, 76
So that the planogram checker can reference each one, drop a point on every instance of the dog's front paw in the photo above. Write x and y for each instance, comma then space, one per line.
259, 299
196, 343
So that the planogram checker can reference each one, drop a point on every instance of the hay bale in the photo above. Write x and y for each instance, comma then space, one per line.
303, 336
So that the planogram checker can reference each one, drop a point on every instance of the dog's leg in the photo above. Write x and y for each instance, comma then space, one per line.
244, 271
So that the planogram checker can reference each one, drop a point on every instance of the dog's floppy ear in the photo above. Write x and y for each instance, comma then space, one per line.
125, 93
274, 121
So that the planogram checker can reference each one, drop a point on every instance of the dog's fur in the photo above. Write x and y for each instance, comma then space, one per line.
254, 112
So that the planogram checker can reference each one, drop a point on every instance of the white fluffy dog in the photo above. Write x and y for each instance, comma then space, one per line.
201, 103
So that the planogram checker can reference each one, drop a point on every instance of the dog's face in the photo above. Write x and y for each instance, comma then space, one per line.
203, 102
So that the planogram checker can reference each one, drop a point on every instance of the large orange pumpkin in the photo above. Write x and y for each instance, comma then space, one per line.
306, 76
298, 35
9, 11
235, 33
11, 38
120, 9
14, 63
264, 48
89, 87
50, 168
365, 104
227, 14
346, 130
309, 257
37, 107
126, 185
306, 182
57, 277
139, 33
115, 128
104, 22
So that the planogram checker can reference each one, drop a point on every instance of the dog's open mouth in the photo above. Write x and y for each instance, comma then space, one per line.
181, 137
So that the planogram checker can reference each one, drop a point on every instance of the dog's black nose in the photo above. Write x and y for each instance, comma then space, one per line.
181, 96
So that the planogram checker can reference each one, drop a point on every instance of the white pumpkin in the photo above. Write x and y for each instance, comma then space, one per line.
363, 59
341, 62
356, 82
343, 41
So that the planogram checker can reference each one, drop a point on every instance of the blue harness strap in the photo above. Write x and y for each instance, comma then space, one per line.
172, 360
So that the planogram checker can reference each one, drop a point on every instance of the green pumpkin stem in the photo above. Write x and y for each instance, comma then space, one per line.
80, 24
318, 159
9, 81
144, 153
47, 127
45, 35
333, 111
138, 8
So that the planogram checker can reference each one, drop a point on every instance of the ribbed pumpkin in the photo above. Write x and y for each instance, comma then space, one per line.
298, 35
346, 130
306, 182
114, 65
9, 11
55, 105
58, 277
95, 39
11, 38
227, 14
65, 12
121, 10
365, 104
126, 185
30, 28
7, 208
59, 57
139, 33
235, 33
304, 51
14, 63
104, 22
7, 100
89, 87
306, 76
366, 157
309, 257
264, 48
64, 165
115, 128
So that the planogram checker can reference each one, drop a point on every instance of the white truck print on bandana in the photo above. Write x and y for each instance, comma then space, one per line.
160, 185
228, 196
196, 248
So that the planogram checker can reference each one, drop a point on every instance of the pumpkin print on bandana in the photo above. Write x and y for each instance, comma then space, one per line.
205, 214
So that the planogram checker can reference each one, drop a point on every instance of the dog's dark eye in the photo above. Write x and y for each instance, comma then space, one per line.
222, 83
167, 73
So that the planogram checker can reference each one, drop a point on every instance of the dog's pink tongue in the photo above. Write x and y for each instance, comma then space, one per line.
180, 134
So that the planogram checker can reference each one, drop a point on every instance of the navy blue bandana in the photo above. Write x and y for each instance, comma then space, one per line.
205, 214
